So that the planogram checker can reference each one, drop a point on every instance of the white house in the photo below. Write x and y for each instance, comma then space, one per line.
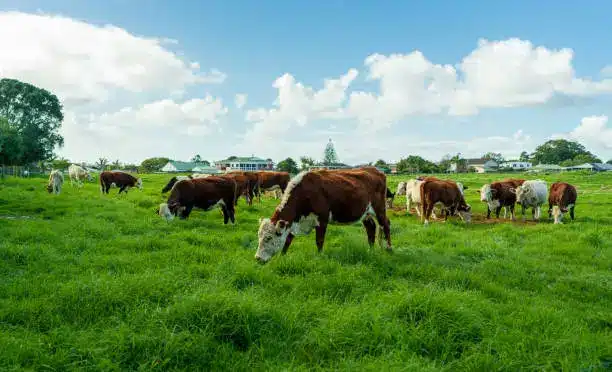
179, 166
516, 165
251, 163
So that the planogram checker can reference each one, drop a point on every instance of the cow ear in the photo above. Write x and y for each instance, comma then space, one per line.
512, 190
280, 225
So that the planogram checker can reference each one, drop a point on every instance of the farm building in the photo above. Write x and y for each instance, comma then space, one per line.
546, 168
180, 166
480, 165
516, 165
251, 163
594, 167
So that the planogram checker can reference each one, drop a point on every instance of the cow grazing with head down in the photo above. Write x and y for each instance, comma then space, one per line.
313, 199
175, 179
204, 193
271, 181
449, 194
78, 174
124, 181
412, 190
390, 197
500, 194
532, 194
561, 198
56, 179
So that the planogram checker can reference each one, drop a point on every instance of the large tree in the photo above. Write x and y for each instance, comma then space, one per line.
287, 165
60, 163
558, 151
36, 115
416, 164
152, 164
524, 156
329, 155
609, 161
581, 159
495, 156
11, 146
306, 162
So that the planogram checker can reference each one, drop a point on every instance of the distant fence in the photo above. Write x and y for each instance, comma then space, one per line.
21, 171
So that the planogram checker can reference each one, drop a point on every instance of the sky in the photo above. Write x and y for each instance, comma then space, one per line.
278, 79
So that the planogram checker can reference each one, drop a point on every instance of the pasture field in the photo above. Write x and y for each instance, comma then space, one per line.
93, 282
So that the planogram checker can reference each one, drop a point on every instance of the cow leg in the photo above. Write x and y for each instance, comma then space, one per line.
497, 212
488, 212
523, 212
186, 212
287, 244
385, 227
512, 215
231, 211
533, 213
320, 235
550, 206
370, 227
409, 205
572, 212
122, 188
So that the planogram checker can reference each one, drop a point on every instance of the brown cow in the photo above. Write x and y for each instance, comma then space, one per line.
122, 180
446, 192
204, 193
268, 181
248, 184
561, 197
500, 194
315, 198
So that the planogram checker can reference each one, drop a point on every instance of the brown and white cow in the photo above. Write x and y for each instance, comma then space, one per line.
448, 194
561, 198
175, 179
56, 179
271, 181
204, 193
122, 180
247, 184
500, 194
313, 199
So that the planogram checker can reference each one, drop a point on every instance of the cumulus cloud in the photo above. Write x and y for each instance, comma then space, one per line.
82, 62
594, 133
240, 100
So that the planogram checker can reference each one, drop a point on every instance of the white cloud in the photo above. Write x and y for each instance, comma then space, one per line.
240, 100
593, 132
606, 71
81, 62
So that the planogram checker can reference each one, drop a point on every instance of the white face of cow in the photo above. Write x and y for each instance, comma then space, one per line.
139, 183
164, 211
466, 215
272, 238
401, 188
524, 194
485, 193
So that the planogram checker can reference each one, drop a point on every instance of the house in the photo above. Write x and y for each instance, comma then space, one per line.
594, 167
251, 163
179, 166
393, 167
480, 165
516, 165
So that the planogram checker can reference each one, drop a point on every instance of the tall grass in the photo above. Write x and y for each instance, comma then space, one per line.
100, 282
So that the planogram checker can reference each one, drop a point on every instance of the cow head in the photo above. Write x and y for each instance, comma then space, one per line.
165, 212
139, 183
272, 238
401, 188
524, 194
49, 188
465, 212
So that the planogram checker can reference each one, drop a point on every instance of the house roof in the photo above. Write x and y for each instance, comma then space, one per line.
548, 166
184, 166
596, 166
206, 169
244, 159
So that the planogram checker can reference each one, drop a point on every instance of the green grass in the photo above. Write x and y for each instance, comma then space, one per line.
93, 282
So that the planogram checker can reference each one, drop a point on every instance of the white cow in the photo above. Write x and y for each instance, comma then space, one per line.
412, 190
78, 174
56, 179
532, 194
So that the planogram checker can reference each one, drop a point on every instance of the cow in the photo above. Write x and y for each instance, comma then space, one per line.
204, 193
561, 198
78, 174
500, 194
271, 181
449, 194
390, 197
175, 179
123, 180
247, 184
531, 194
315, 198
412, 190
56, 179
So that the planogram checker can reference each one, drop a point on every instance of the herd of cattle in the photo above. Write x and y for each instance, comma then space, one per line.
313, 199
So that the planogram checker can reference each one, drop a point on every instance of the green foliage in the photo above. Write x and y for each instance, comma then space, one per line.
524, 156
11, 144
580, 159
92, 282
609, 161
36, 115
416, 164
102, 164
198, 159
306, 162
152, 165
495, 156
329, 155
288, 165
61, 163
381, 163
558, 151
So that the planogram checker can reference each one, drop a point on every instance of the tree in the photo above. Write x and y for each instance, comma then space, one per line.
416, 164
558, 151
524, 156
306, 162
580, 159
196, 159
381, 164
36, 115
609, 161
329, 155
288, 165
11, 146
152, 164
102, 163
495, 156
60, 163
116, 164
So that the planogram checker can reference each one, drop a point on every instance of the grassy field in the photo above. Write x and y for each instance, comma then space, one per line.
93, 282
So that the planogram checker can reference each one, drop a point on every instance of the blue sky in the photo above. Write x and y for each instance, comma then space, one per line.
254, 43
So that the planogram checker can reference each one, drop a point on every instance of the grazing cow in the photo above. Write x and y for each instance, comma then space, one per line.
78, 174
390, 197
247, 184
500, 194
175, 179
123, 180
561, 198
532, 194
56, 179
313, 199
204, 193
412, 190
271, 181
449, 194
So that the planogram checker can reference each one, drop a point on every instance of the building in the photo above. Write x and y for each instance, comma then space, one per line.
516, 165
180, 166
480, 165
393, 167
546, 168
203, 169
594, 167
251, 163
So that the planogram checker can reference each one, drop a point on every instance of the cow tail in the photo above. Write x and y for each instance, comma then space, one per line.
422, 196
236, 196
